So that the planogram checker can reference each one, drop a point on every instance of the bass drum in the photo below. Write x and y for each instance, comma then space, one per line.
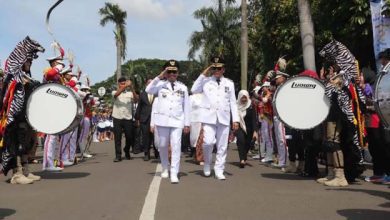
382, 98
301, 103
54, 109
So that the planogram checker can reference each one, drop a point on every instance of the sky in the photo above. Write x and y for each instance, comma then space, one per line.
155, 29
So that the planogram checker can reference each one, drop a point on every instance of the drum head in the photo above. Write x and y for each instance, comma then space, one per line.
301, 103
51, 108
382, 97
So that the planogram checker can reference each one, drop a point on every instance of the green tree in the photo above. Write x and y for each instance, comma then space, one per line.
274, 31
114, 14
220, 35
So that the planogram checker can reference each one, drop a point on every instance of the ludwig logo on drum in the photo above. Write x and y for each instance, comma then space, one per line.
303, 86
56, 93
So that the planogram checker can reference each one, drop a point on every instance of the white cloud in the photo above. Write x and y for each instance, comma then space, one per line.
151, 9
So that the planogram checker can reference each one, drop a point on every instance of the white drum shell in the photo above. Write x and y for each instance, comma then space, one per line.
300, 103
382, 98
54, 109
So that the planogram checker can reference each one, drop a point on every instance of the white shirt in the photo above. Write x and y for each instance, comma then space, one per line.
173, 107
219, 103
123, 105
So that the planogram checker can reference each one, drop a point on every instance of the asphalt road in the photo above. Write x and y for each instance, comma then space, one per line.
101, 189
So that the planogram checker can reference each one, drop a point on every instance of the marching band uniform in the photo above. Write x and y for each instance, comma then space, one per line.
170, 117
69, 140
280, 134
266, 120
86, 122
52, 145
218, 105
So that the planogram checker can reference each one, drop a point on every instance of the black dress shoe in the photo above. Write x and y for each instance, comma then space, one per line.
127, 156
117, 159
146, 157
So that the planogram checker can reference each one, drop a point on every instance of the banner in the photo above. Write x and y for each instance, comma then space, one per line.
380, 27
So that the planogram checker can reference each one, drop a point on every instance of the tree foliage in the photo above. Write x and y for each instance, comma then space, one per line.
220, 35
274, 31
112, 13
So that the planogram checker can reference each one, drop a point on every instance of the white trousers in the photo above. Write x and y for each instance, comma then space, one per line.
85, 126
266, 135
51, 150
218, 135
280, 135
69, 145
169, 136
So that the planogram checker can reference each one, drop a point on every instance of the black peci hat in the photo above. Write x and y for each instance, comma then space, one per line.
217, 61
172, 65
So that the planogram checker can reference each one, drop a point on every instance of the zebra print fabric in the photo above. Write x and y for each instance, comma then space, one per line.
340, 54
26, 49
13, 95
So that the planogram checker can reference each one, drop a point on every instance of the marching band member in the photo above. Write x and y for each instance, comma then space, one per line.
52, 145
171, 116
266, 121
88, 102
69, 140
334, 125
218, 105
377, 136
16, 133
280, 131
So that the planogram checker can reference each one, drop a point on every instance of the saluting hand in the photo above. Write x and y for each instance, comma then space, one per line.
207, 70
163, 74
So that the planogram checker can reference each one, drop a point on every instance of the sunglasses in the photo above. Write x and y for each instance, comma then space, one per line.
172, 72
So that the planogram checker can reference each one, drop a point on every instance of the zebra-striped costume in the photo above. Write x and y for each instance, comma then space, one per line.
25, 49
13, 92
340, 54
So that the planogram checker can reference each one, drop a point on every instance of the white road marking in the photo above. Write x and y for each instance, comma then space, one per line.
149, 208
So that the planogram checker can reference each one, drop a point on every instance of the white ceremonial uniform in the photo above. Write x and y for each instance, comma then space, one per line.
169, 117
216, 108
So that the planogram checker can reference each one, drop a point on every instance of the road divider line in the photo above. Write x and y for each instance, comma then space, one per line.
149, 208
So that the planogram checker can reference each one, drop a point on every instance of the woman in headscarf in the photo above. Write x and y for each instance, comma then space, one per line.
247, 133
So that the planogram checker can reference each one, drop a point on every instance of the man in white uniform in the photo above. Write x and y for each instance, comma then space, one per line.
218, 104
171, 116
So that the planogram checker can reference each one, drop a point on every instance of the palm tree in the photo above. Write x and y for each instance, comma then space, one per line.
244, 44
113, 13
221, 30
307, 34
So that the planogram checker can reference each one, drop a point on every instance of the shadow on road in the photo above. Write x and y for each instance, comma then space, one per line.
283, 176
381, 194
353, 214
191, 161
6, 212
237, 164
56, 176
